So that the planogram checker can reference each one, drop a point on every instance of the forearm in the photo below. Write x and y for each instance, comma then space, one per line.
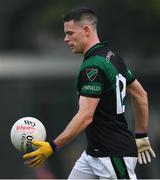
141, 114
140, 103
74, 128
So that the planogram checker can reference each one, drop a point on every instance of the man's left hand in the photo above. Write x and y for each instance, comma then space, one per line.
145, 152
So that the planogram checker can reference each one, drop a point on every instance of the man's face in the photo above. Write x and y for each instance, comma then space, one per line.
75, 36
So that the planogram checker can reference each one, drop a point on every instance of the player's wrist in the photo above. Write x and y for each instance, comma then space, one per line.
54, 146
140, 135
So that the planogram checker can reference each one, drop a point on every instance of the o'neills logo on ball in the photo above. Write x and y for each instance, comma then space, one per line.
29, 146
26, 143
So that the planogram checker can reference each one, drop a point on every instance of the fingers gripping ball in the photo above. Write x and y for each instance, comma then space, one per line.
24, 131
38, 157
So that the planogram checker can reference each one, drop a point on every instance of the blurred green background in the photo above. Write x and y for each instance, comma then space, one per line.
38, 73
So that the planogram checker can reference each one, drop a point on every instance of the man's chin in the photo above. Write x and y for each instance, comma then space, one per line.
76, 51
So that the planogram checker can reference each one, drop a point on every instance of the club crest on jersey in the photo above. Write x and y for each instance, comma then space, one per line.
91, 73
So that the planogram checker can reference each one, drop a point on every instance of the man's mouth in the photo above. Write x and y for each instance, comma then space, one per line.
71, 46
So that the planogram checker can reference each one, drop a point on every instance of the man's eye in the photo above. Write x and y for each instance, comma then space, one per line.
69, 33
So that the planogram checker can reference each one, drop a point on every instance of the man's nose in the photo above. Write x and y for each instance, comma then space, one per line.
66, 39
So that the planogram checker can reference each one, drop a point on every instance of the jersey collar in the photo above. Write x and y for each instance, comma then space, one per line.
94, 49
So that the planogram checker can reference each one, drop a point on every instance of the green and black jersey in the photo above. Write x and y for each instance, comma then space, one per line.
104, 75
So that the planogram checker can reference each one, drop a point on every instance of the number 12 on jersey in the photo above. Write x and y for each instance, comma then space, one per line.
120, 93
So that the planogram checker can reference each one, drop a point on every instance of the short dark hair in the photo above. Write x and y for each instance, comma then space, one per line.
82, 13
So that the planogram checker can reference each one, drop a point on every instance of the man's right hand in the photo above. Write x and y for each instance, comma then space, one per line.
39, 156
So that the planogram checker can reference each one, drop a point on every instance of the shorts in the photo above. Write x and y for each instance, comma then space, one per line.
88, 167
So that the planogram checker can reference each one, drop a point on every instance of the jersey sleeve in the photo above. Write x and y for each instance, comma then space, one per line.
129, 77
91, 82
126, 71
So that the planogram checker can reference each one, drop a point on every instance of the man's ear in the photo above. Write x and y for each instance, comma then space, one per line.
87, 30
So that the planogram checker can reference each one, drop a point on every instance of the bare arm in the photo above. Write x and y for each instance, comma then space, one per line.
140, 103
79, 122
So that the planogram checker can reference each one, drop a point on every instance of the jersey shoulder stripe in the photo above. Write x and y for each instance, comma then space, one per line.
102, 63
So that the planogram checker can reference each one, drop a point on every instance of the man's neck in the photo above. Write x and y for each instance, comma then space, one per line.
91, 42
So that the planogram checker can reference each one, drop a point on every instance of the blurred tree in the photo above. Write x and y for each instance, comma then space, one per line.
131, 26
